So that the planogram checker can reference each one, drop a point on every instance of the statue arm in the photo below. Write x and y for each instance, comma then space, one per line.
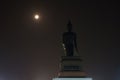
75, 43
63, 42
63, 39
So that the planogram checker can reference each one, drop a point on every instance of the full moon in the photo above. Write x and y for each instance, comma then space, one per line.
36, 16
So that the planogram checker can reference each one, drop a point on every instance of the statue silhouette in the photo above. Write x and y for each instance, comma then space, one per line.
69, 41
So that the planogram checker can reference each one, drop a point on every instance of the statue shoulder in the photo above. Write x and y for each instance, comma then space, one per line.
69, 33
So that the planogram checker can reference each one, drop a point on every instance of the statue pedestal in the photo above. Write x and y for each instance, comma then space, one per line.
70, 63
71, 67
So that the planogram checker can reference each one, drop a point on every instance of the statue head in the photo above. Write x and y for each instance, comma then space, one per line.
69, 26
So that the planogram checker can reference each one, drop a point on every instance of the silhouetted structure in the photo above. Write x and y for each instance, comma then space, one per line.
69, 41
70, 65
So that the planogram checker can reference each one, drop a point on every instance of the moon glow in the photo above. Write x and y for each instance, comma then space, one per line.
36, 16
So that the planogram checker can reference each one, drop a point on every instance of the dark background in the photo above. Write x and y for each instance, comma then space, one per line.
31, 50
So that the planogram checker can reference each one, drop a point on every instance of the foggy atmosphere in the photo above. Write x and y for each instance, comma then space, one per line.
31, 37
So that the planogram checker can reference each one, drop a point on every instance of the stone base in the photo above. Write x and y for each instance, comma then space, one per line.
70, 63
72, 74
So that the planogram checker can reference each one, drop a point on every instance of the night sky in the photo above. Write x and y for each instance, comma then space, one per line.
31, 50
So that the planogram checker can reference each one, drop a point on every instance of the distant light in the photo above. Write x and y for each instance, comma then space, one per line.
36, 16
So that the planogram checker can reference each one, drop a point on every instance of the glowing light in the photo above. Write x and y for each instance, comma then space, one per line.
36, 16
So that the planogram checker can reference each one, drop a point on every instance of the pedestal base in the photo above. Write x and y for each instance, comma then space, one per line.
73, 74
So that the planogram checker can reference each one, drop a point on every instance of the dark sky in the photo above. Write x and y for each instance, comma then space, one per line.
31, 50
